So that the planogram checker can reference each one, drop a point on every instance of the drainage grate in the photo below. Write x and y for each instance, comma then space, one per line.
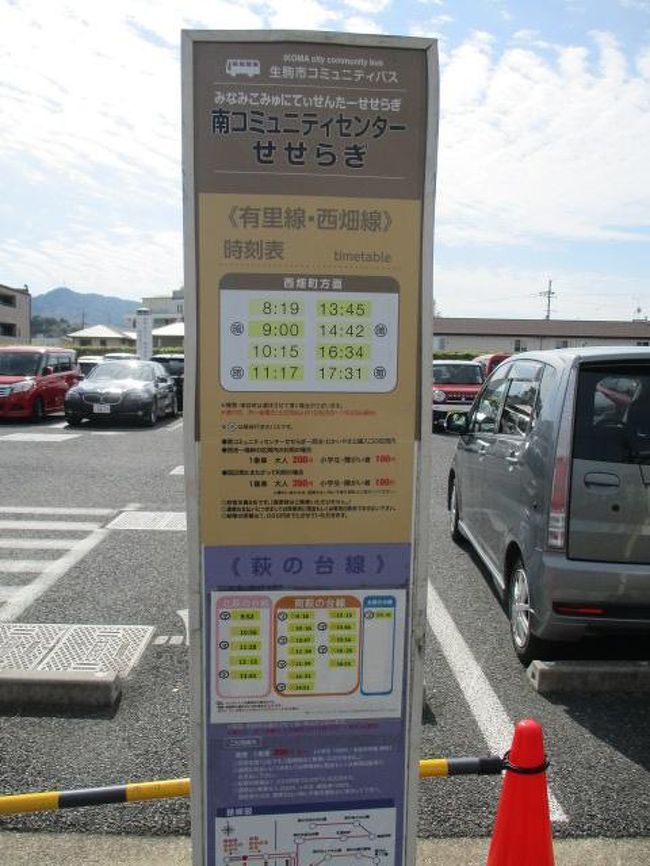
150, 520
72, 648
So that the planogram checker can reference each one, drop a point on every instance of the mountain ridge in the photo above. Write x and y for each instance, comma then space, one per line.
89, 308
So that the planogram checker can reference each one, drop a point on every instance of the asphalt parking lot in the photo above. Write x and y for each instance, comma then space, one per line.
475, 688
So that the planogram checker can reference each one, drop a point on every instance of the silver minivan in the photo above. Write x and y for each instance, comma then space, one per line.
550, 484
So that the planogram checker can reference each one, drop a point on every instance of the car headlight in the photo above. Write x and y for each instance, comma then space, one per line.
439, 396
27, 385
138, 395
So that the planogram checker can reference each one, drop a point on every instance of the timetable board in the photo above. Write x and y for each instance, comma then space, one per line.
337, 341
331, 653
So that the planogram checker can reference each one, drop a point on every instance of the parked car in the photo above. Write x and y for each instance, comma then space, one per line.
121, 356
140, 390
87, 362
175, 367
455, 384
491, 362
550, 483
34, 380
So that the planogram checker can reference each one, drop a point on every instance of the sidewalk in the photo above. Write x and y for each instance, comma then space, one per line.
77, 849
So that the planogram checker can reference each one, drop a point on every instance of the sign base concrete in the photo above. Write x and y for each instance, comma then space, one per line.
589, 676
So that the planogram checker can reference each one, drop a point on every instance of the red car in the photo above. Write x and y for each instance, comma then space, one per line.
34, 380
490, 362
455, 384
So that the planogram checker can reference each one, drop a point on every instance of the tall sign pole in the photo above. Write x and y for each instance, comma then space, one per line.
309, 166
144, 333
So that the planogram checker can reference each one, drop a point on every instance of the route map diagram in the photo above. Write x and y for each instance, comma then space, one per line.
364, 837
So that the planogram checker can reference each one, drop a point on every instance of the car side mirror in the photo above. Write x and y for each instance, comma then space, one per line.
161, 379
457, 422
81, 376
47, 371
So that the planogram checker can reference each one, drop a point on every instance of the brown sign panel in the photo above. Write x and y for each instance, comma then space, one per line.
284, 117
309, 161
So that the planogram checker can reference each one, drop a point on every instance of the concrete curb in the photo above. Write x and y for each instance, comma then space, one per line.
20, 688
73, 849
589, 676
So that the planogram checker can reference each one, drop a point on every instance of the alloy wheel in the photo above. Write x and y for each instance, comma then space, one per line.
520, 607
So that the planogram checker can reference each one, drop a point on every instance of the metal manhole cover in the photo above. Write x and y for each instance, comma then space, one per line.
63, 648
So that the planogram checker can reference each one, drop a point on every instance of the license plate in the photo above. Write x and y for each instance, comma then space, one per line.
102, 408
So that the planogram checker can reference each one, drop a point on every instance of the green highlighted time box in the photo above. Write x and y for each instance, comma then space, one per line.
300, 340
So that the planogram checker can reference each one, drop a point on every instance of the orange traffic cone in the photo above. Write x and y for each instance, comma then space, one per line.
522, 828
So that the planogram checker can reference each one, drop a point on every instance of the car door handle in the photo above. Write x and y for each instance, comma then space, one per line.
512, 457
601, 479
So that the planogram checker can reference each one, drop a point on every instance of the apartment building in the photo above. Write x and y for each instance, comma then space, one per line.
15, 315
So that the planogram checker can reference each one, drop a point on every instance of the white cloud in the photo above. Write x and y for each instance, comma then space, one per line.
536, 141
120, 261
305, 15
641, 5
359, 24
511, 292
534, 147
371, 6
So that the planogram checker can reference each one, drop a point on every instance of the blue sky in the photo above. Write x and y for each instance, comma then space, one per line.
544, 160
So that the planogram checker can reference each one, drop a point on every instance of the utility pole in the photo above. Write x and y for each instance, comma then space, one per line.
548, 294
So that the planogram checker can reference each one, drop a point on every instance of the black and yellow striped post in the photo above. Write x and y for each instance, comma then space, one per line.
490, 766
47, 801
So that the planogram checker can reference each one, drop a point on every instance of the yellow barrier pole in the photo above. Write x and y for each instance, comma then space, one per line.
14, 804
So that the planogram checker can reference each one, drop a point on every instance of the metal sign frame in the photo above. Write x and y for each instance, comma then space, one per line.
195, 406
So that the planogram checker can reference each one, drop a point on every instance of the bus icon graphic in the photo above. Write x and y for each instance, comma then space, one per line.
236, 67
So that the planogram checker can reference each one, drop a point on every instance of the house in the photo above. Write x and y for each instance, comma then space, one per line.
169, 336
15, 315
100, 339
481, 336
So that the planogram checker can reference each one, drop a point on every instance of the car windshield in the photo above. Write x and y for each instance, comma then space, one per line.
174, 366
122, 370
19, 363
457, 374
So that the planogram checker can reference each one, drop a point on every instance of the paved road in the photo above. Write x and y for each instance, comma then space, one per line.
90, 481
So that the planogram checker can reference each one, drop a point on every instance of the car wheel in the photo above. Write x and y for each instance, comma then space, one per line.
151, 416
38, 410
74, 420
527, 646
454, 514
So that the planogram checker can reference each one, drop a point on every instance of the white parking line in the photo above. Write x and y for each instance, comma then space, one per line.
39, 437
35, 544
22, 566
150, 520
23, 509
53, 525
488, 712
179, 470
25, 596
